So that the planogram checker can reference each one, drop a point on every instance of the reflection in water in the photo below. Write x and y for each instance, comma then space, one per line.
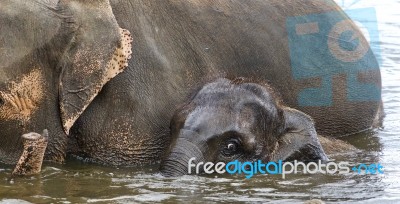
77, 183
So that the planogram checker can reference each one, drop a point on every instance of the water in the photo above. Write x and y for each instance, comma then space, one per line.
77, 183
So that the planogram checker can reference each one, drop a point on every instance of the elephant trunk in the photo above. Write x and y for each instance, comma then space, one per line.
31, 159
176, 163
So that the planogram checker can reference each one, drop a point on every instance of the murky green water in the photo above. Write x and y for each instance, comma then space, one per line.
83, 183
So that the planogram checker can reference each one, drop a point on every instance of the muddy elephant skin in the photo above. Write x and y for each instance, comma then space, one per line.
55, 57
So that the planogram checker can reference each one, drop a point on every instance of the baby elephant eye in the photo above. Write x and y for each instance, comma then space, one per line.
230, 148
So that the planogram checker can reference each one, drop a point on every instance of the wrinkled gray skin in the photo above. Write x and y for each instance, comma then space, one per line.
178, 46
232, 120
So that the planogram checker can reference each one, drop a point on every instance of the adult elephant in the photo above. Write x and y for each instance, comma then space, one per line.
177, 47
56, 56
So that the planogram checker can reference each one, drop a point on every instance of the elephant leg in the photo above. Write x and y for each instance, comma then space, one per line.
31, 159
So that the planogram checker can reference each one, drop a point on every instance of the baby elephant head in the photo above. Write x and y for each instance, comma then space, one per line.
232, 120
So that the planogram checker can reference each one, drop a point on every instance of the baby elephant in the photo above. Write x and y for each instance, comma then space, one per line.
231, 120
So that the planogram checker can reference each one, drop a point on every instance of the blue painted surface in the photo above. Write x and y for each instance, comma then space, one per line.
312, 57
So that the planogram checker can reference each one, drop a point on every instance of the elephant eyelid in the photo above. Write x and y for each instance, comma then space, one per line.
293, 130
232, 134
234, 140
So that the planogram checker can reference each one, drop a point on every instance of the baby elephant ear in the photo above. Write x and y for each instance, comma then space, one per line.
299, 140
98, 52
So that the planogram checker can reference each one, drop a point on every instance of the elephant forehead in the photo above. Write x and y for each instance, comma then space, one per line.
25, 26
22, 96
217, 120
